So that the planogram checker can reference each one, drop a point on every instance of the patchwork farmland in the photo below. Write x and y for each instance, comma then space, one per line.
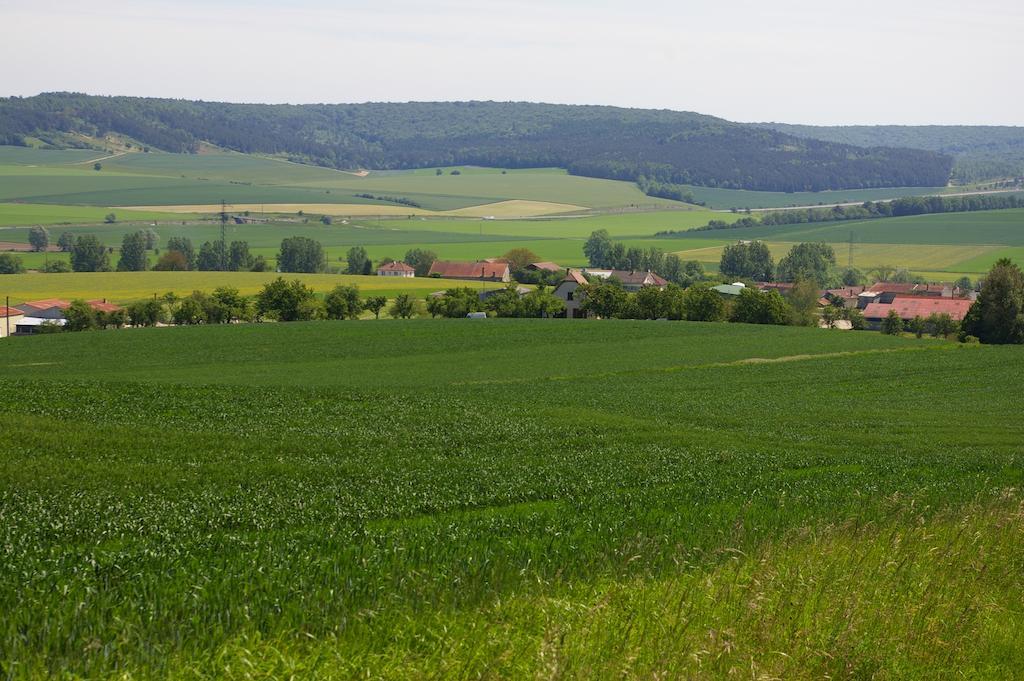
176, 195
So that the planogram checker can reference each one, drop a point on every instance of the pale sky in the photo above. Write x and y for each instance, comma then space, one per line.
797, 61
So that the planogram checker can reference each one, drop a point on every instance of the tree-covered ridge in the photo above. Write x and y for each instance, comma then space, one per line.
608, 142
981, 151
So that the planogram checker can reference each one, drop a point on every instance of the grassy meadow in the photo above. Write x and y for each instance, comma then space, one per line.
509, 499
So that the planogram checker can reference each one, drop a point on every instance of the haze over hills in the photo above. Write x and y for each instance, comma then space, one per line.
981, 152
660, 149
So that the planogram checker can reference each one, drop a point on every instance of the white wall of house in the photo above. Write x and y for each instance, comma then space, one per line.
568, 292
11, 322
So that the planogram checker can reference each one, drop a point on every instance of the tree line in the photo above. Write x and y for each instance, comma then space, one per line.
604, 253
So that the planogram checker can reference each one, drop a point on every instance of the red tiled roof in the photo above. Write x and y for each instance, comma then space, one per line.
469, 270
98, 304
575, 275
846, 291
546, 266
10, 312
396, 267
780, 286
910, 307
103, 306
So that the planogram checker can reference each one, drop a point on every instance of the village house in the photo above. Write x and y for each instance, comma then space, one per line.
568, 292
9, 318
396, 269
908, 307
471, 271
544, 267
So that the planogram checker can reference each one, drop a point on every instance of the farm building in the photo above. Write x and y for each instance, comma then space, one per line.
30, 325
544, 267
50, 308
471, 271
484, 295
632, 280
396, 269
53, 308
567, 292
730, 289
916, 306
9, 318
51, 311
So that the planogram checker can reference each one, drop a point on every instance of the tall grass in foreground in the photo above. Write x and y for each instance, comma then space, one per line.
915, 598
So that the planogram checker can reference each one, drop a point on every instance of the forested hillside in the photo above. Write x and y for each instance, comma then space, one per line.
980, 152
627, 144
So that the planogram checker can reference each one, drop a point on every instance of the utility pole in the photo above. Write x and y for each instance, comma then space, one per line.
223, 236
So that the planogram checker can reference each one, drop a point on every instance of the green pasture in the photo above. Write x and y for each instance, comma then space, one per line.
993, 227
37, 214
512, 499
30, 156
478, 185
184, 179
639, 224
983, 263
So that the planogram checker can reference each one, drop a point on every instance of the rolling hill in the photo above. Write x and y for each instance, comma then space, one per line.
654, 147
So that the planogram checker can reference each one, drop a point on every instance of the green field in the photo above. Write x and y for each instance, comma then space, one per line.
36, 214
725, 199
139, 179
943, 246
509, 499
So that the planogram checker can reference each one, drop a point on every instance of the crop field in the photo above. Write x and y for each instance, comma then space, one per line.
511, 208
993, 227
724, 199
508, 499
36, 214
124, 287
137, 179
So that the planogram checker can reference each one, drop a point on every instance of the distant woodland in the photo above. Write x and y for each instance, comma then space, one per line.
980, 152
661, 149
